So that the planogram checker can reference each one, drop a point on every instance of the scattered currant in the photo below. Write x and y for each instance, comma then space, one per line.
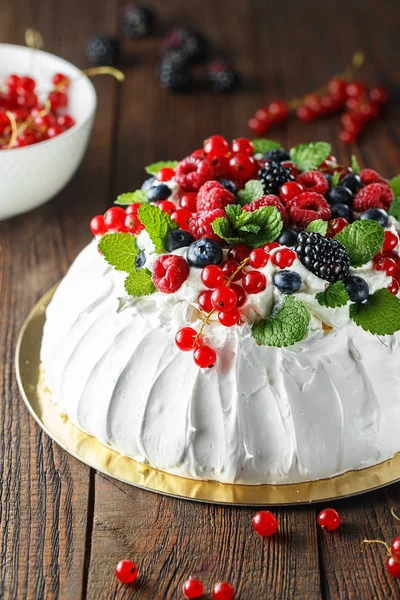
242, 146
192, 588
240, 294
241, 166
223, 591
126, 571
393, 566
329, 519
167, 206
216, 145
289, 190
265, 523
394, 287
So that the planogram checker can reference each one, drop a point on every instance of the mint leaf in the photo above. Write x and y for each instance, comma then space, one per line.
394, 209
362, 240
225, 231
161, 164
354, 164
120, 250
318, 226
261, 145
139, 283
157, 224
253, 190
267, 218
287, 324
335, 295
336, 178
136, 197
379, 315
310, 156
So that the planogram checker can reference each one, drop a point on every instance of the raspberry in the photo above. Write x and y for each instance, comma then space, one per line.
169, 272
374, 195
368, 176
314, 181
269, 200
308, 207
213, 195
200, 224
192, 172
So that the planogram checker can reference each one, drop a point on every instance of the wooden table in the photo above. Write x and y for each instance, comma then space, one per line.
63, 526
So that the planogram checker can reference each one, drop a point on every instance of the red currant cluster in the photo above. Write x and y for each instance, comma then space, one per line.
26, 120
117, 220
193, 588
388, 261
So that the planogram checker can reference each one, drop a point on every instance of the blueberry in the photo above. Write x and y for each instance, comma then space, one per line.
340, 195
158, 192
287, 281
288, 238
353, 182
204, 252
340, 210
103, 50
329, 179
357, 288
148, 183
140, 260
178, 239
276, 154
228, 185
375, 214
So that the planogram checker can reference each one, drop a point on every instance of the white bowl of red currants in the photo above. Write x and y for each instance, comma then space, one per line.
47, 108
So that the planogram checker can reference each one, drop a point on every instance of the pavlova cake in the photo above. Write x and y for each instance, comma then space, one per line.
236, 318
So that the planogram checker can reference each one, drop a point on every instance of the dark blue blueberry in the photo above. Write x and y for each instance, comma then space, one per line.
148, 183
340, 210
353, 182
340, 195
329, 179
178, 239
228, 185
357, 288
140, 260
277, 155
158, 192
287, 281
288, 238
375, 214
204, 252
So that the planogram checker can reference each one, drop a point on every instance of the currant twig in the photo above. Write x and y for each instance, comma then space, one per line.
14, 129
34, 39
394, 514
119, 75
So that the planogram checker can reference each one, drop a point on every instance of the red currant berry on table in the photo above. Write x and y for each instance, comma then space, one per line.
240, 293
229, 268
212, 276
305, 113
278, 110
395, 547
258, 258
170, 272
290, 190
182, 216
188, 201
239, 252
165, 174
204, 301
205, 357
355, 89
265, 523
223, 591
185, 338
114, 218
126, 571
337, 89
257, 126
241, 167
97, 225
391, 241
242, 146
379, 94
192, 588
254, 282
216, 145
393, 566
329, 519
394, 287
61, 81
230, 318
284, 258
223, 299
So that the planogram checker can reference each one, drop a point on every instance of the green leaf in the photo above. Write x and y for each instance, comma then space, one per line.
157, 224
139, 283
161, 164
334, 296
394, 210
287, 324
120, 250
318, 226
136, 197
362, 240
310, 156
225, 231
234, 212
336, 178
354, 164
267, 218
261, 145
379, 315
253, 190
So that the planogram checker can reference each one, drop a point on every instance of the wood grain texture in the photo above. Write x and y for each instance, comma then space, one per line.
63, 527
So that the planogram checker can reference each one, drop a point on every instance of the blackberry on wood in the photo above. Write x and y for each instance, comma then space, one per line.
190, 44
138, 21
103, 50
174, 73
273, 176
324, 257
222, 77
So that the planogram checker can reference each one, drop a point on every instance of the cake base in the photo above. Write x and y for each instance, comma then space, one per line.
90, 451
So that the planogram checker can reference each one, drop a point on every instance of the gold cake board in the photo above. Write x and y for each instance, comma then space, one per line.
90, 451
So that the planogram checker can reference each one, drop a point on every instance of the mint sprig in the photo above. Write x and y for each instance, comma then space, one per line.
137, 197
287, 324
161, 164
252, 228
120, 251
253, 190
157, 224
394, 210
310, 156
139, 283
362, 240
318, 226
334, 296
354, 164
336, 178
380, 315
262, 145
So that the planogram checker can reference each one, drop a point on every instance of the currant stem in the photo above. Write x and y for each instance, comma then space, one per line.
119, 75
14, 129
394, 514
376, 542
34, 39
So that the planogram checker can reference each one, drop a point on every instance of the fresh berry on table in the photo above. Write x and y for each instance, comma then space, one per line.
138, 22
329, 519
126, 571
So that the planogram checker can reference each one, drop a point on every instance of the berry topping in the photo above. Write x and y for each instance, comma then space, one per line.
283, 258
240, 293
169, 272
223, 299
212, 276
229, 185
223, 591
213, 195
313, 181
200, 225
340, 210
165, 174
352, 182
126, 571
273, 175
216, 145
138, 22
391, 241
241, 166
357, 288
103, 50
393, 566
148, 183
289, 190
395, 547
254, 282
394, 287
324, 257
368, 176
167, 206
329, 519
308, 207
205, 357
340, 195
287, 281
269, 200
158, 192
277, 155
185, 338
265, 523
193, 172
177, 239
182, 216
288, 238
374, 195
97, 225
114, 219
336, 226
229, 268
192, 588
230, 318
385, 264
140, 260
242, 146
375, 214
204, 301
258, 258
132, 222
238, 252
204, 252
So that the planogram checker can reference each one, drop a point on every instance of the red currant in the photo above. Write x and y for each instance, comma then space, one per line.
204, 301
393, 287
379, 94
278, 110
185, 338
27, 138
393, 566
337, 89
65, 121
229, 267
220, 165
355, 89
182, 216
43, 122
165, 174
395, 547
126, 571
223, 299
391, 241
242, 146
329, 519
265, 523
230, 318
167, 206
223, 591
270, 246
13, 82
61, 81
258, 258
132, 222
27, 100
97, 225
257, 126
192, 588
290, 190
241, 167
348, 137
239, 252
114, 218
216, 145
254, 282
58, 100
335, 226
53, 131
188, 201
387, 265
284, 258
204, 357
212, 276
240, 293
26, 84
305, 113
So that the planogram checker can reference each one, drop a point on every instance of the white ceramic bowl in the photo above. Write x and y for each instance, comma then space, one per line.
31, 175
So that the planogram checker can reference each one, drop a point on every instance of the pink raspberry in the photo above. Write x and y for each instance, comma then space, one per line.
368, 176
313, 181
374, 195
213, 195
307, 207
169, 272
192, 172
200, 225
269, 200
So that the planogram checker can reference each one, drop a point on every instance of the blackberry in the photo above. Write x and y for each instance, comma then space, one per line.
138, 21
222, 77
174, 73
103, 50
273, 176
324, 257
191, 45
277, 155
